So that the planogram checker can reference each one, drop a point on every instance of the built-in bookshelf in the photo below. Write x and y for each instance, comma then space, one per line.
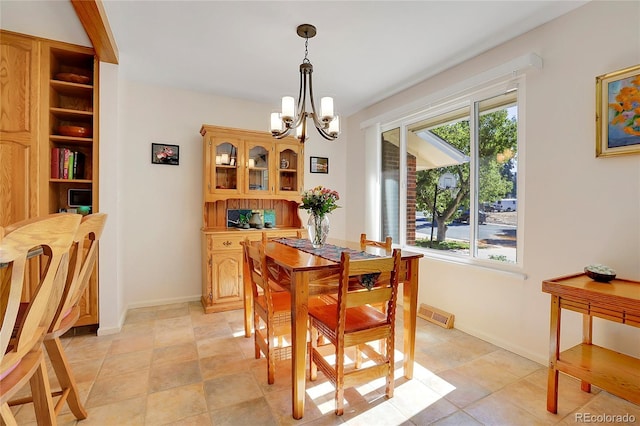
72, 125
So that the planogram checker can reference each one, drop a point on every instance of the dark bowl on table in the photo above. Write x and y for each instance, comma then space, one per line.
601, 278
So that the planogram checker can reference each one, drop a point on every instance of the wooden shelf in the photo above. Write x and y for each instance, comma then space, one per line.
70, 114
70, 180
71, 140
617, 373
74, 89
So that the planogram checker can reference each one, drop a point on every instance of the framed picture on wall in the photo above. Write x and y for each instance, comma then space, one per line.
165, 154
618, 112
319, 165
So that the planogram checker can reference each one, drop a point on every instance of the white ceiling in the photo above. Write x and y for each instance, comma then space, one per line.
364, 51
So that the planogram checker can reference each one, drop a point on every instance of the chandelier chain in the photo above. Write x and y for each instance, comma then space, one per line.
306, 51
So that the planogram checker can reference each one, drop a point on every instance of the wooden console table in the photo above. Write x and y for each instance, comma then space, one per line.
617, 301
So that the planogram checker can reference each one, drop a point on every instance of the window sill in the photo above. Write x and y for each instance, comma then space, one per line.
513, 270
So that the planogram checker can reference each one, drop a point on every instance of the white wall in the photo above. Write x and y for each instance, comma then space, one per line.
110, 293
577, 209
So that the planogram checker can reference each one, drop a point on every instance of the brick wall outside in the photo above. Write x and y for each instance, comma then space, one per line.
391, 197
411, 199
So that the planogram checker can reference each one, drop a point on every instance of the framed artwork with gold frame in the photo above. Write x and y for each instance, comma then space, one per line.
618, 112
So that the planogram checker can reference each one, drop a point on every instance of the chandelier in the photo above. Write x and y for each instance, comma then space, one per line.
282, 123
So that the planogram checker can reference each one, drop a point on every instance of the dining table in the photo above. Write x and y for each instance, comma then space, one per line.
306, 273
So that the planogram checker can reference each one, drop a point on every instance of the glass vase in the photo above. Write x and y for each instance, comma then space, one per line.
318, 228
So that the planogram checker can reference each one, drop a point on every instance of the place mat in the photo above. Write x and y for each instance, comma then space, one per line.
327, 251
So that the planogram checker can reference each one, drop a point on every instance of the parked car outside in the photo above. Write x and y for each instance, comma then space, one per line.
464, 216
487, 207
506, 205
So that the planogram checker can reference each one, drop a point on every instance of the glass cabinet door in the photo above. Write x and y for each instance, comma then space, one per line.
289, 168
258, 164
226, 176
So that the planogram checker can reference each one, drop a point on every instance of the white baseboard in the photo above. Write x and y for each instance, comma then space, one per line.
504, 344
160, 302
104, 331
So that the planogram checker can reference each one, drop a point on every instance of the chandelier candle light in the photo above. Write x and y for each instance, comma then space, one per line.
319, 202
283, 122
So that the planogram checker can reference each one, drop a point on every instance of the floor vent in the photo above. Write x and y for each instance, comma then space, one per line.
436, 316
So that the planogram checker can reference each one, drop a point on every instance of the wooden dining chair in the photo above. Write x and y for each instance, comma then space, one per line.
83, 255
271, 310
364, 243
386, 244
278, 279
353, 323
21, 355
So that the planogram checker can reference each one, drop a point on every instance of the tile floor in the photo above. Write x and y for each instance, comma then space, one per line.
175, 365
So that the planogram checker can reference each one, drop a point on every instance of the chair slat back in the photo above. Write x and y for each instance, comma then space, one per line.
257, 261
369, 297
379, 280
82, 259
386, 244
54, 234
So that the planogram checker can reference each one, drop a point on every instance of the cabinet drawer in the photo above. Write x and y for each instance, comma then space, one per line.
226, 242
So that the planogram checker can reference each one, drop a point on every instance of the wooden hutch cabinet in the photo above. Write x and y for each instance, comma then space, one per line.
49, 116
243, 170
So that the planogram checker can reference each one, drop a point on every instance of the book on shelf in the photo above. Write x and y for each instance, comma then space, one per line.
60, 162
70, 165
78, 165
55, 163
65, 163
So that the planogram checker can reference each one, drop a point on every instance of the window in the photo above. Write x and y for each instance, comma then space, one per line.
459, 162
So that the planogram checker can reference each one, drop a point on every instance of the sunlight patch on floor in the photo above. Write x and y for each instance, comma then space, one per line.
410, 396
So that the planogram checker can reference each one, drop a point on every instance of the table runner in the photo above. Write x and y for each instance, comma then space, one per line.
327, 251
